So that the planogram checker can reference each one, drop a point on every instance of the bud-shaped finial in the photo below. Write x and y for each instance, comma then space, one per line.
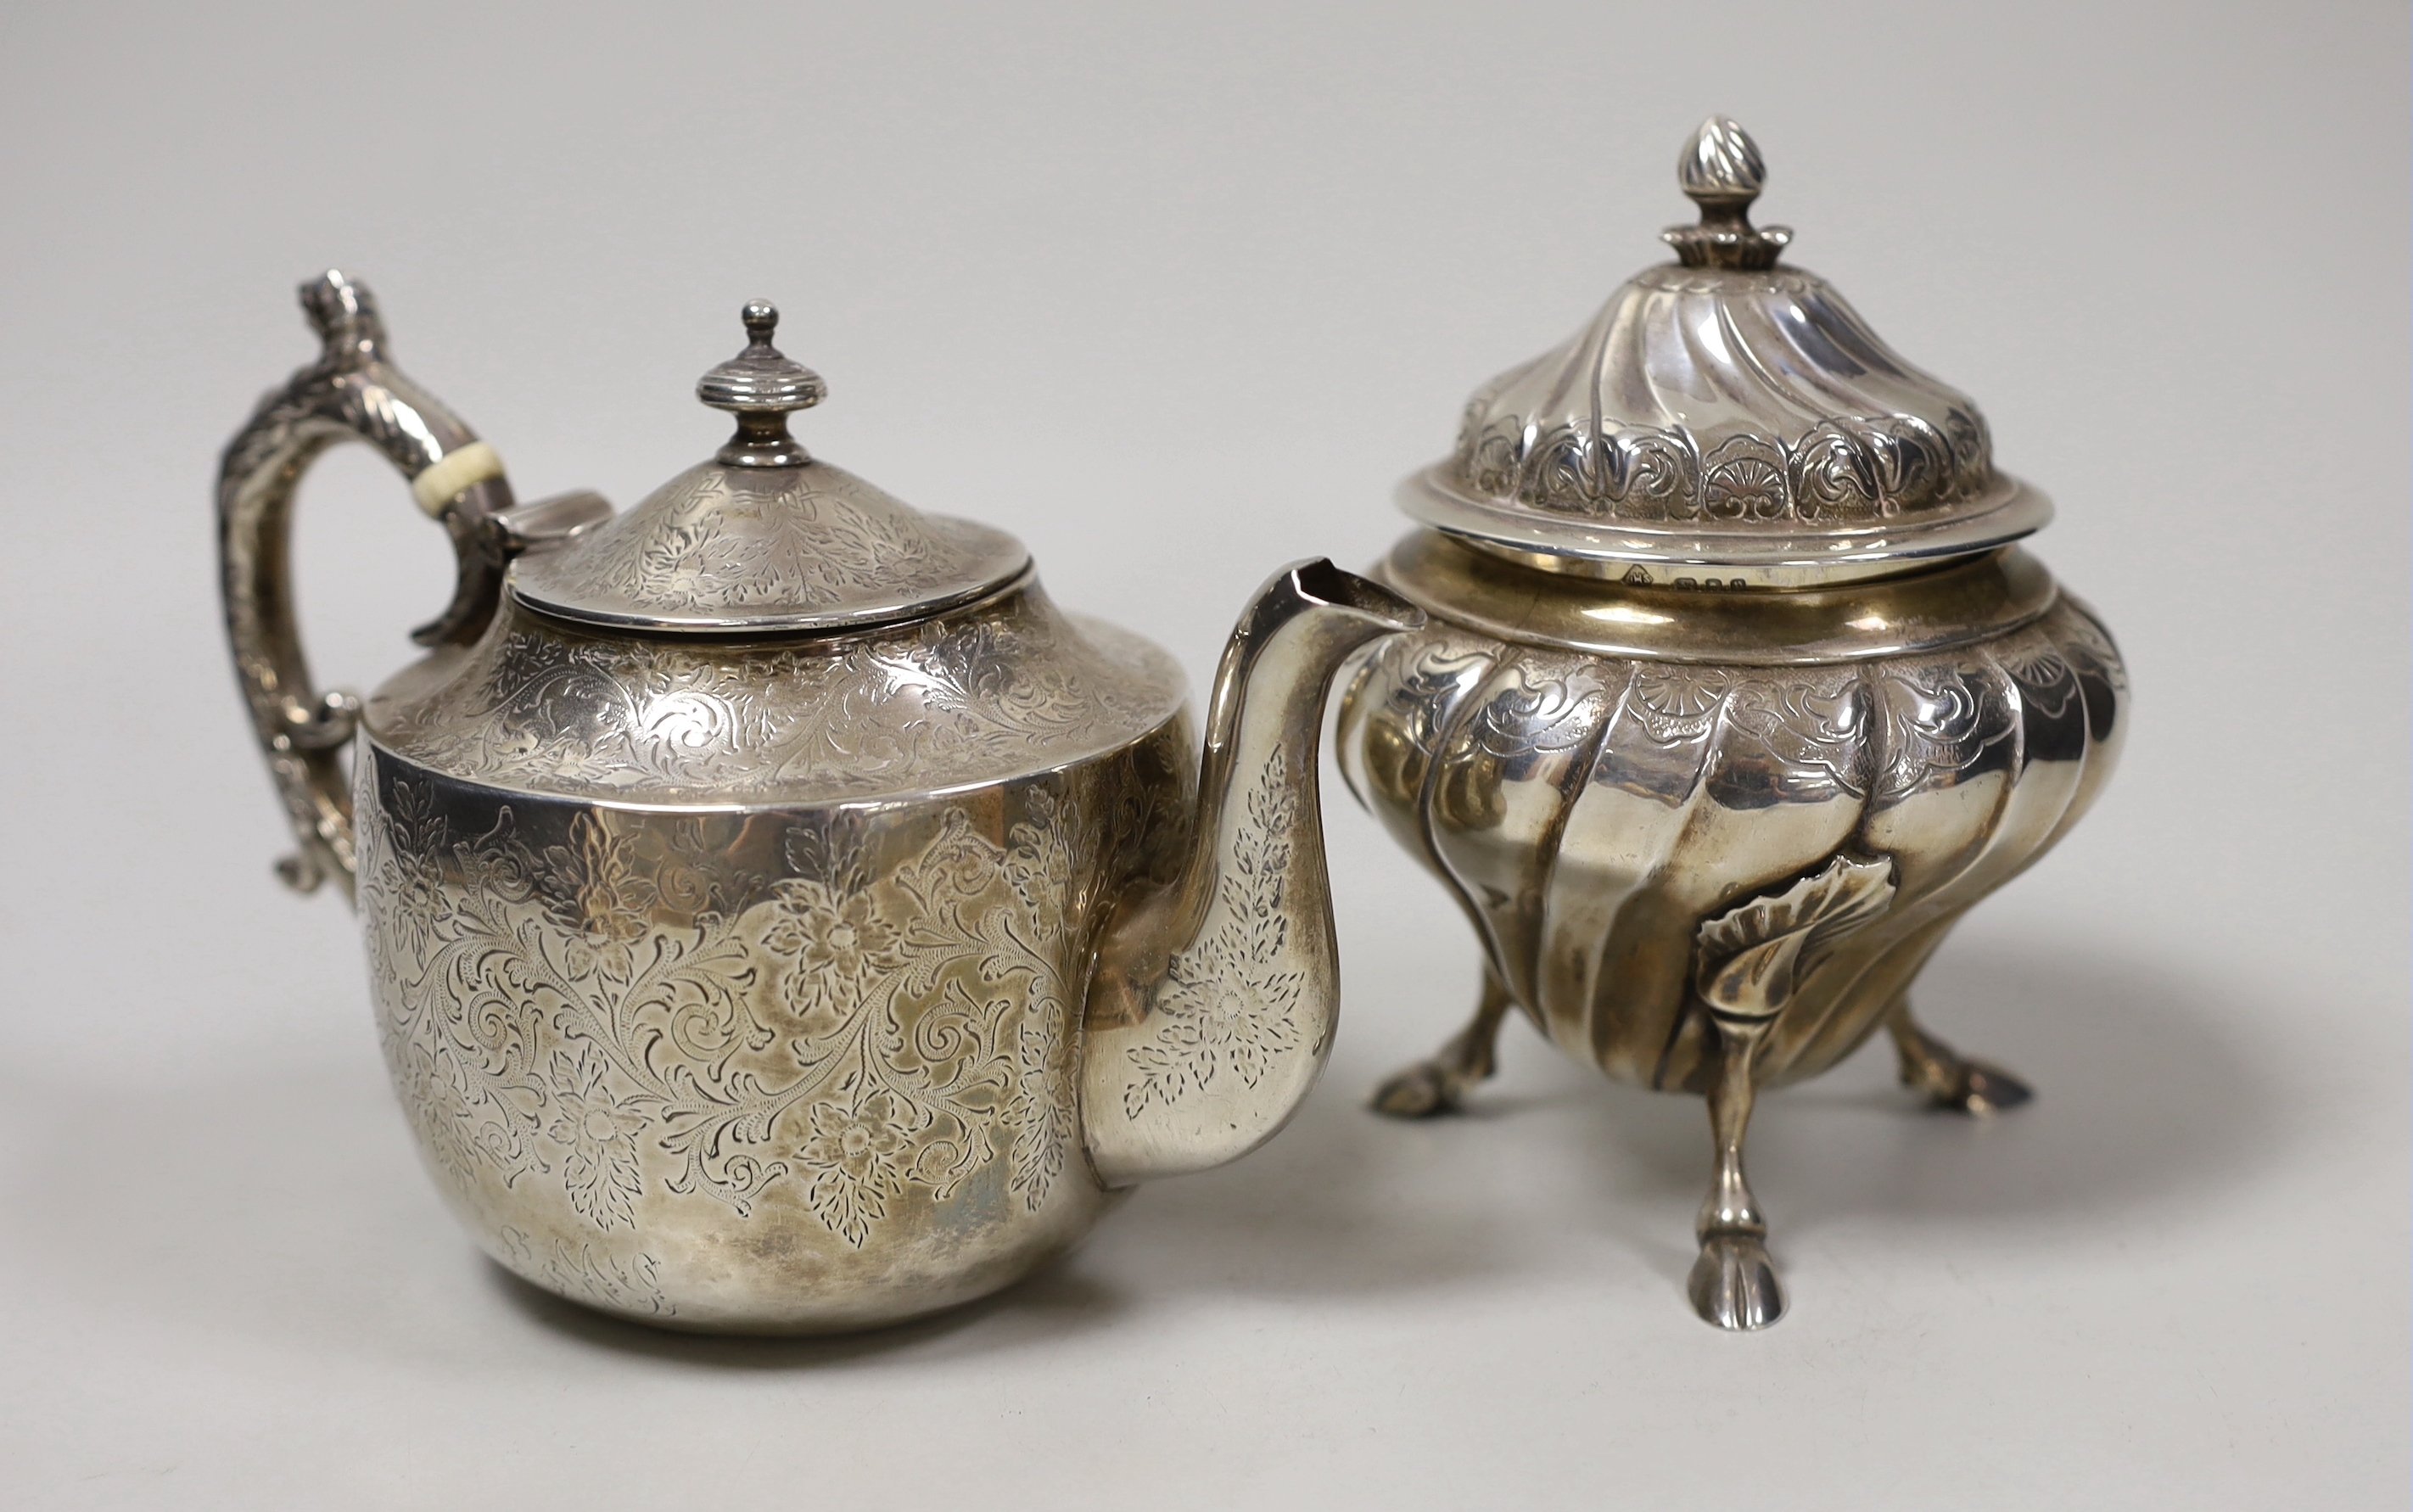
1721, 163
1722, 172
762, 387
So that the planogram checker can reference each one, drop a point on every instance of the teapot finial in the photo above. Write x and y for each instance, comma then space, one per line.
762, 387
1721, 162
1721, 172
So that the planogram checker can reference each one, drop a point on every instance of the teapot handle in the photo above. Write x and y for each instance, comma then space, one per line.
351, 392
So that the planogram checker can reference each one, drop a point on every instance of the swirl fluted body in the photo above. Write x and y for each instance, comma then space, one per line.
1589, 811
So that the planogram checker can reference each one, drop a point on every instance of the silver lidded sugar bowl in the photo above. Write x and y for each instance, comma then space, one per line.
781, 916
1736, 694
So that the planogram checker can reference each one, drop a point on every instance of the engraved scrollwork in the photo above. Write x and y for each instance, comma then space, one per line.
1635, 474
718, 539
964, 698
602, 1278
1849, 470
1540, 706
1698, 395
1872, 731
1936, 722
1833, 471
557, 1010
1813, 723
1654, 472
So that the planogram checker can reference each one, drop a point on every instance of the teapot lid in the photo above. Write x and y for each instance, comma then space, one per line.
764, 537
1720, 411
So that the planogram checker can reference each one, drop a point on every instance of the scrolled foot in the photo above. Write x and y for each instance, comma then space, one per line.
1423, 1090
1928, 1065
1981, 1091
1437, 1084
1734, 1283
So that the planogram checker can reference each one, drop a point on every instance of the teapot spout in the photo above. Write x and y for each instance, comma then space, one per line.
1211, 1010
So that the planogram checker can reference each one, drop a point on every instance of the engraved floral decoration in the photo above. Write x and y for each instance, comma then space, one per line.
853, 1155
963, 698
796, 539
832, 944
842, 1043
598, 1134
1228, 1005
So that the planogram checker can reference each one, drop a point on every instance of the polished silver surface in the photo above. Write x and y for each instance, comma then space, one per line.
761, 386
1926, 608
1723, 412
1003, 687
798, 978
1719, 171
765, 539
1710, 816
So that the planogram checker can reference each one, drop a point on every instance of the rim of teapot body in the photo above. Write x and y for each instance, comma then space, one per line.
873, 805
1917, 608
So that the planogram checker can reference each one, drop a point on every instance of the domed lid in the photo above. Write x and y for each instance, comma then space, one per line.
1724, 414
763, 537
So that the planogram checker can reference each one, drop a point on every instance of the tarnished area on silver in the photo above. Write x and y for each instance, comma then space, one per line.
1733, 700
834, 968
1725, 412
787, 1071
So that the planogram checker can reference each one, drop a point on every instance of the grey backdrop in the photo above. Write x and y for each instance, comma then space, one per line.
1176, 297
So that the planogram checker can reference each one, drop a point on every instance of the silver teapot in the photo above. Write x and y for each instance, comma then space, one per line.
1736, 695
781, 916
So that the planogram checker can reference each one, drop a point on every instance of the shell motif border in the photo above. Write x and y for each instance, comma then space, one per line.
1850, 471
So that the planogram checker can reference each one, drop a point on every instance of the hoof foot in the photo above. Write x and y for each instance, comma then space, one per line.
1422, 1091
1981, 1091
1734, 1283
